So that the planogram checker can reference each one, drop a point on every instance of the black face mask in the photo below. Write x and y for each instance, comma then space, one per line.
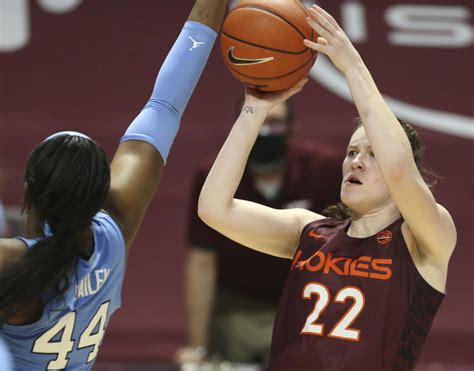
269, 149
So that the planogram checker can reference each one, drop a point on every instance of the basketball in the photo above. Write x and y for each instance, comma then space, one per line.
262, 43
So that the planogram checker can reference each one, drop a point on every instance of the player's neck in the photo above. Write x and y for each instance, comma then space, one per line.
371, 223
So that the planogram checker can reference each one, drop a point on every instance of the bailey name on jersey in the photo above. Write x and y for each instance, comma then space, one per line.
90, 285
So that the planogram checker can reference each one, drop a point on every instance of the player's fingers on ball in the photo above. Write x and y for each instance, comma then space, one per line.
322, 41
299, 85
291, 91
251, 91
315, 46
303, 81
312, 14
320, 30
328, 17
324, 22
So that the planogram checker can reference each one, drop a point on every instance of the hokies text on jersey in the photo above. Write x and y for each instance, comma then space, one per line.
364, 266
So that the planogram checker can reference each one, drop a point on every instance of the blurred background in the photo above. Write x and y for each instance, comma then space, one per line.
89, 65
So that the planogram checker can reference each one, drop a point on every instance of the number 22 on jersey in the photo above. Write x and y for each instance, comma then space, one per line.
65, 344
342, 328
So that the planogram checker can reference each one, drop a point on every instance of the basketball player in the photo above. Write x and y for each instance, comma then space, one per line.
59, 287
363, 287
229, 314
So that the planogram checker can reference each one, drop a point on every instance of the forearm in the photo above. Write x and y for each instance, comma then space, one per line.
221, 184
386, 136
209, 12
388, 141
159, 121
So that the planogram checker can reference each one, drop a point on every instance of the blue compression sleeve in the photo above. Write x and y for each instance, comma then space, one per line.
158, 122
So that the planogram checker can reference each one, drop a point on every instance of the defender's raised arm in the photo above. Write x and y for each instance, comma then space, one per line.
138, 163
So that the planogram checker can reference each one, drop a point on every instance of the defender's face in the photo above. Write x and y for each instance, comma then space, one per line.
363, 188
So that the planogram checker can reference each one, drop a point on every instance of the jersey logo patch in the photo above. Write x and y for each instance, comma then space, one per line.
383, 238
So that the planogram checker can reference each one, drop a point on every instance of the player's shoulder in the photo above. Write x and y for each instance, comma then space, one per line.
307, 218
105, 226
11, 251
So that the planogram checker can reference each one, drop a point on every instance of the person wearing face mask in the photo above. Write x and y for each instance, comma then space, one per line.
231, 292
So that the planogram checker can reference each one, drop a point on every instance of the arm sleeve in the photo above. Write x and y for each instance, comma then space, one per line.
159, 121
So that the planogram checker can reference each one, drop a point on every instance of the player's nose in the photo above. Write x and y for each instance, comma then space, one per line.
357, 163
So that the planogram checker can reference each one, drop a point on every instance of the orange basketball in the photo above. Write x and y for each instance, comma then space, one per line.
262, 43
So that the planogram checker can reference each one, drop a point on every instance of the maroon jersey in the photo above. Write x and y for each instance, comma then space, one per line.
352, 303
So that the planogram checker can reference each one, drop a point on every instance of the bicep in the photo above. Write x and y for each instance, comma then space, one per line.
135, 173
262, 228
430, 223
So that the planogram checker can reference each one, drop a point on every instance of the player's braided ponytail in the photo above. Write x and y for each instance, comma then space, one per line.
67, 181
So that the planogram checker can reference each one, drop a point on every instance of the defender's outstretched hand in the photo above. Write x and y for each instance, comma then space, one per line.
332, 40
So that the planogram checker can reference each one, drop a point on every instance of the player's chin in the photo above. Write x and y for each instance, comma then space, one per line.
351, 197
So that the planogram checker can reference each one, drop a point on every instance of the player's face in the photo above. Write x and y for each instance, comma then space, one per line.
363, 188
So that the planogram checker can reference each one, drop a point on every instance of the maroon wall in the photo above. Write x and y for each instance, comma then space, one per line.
91, 68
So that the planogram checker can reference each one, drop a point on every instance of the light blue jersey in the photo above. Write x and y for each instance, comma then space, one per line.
70, 331
5, 357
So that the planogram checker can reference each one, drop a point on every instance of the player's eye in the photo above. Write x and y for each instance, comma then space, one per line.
351, 153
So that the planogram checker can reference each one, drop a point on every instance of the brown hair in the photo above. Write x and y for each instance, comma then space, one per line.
340, 211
